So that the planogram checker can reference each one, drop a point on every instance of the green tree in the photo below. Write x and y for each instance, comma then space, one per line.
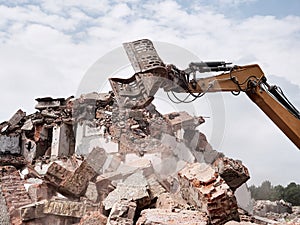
264, 191
292, 194
277, 193
253, 190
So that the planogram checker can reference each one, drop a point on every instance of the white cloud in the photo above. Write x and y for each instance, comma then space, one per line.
45, 49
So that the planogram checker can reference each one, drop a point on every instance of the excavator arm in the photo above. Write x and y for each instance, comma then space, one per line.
152, 73
251, 80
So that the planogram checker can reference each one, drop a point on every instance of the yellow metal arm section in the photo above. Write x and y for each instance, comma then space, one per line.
249, 79
225, 81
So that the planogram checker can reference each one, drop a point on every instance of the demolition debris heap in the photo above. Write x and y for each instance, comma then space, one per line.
88, 161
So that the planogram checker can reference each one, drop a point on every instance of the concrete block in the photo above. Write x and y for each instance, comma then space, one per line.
63, 141
179, 148
38, 192
122, 213
69, 208
56, 174
155, 188
135, 188
16, 118
232, 171
33, 211
93, 218
10, 144
180, 120
91, 192
203, 187
167, 217
171, 201
28, 149
77, 183
88, 137
96, 159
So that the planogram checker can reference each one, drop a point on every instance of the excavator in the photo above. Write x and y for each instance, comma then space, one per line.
151, 73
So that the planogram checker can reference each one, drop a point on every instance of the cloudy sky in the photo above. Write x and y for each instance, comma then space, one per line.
46, 47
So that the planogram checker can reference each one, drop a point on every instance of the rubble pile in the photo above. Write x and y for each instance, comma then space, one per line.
277, 211
88, 161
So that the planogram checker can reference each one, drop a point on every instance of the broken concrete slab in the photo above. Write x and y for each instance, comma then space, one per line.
89, 136
96, 159
112, 163
63, 140
28, 149
10, 144
104, 184
262, 207
181, 120
15, 119
155, 187
167, 217
122, 213
244, 198
206, 190
62, 207
91, 192
56, 174
77, 183
142, 164
33, 211
48, 102
93, 218
232, 171
27, 126
171, 201
135, 188
179, 148
39, 192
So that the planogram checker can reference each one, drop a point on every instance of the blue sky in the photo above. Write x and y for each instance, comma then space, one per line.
244, 9
46, 47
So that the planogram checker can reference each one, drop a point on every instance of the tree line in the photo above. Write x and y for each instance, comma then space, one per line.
290, 193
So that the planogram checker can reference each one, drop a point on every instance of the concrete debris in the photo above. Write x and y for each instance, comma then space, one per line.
183, 120
93, 218
91, 192
17, 161
232, 171
39, 192
10, 144
56, 174
239, 223
104, 184
62, 207
122, 213
15, 119
264, 207
167, 217
171, 202
33, 211
134, 188
13, 192
77, 183
97, 159
48, 102
155, 187
202, 187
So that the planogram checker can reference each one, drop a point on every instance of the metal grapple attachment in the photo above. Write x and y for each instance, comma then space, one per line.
138, 90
